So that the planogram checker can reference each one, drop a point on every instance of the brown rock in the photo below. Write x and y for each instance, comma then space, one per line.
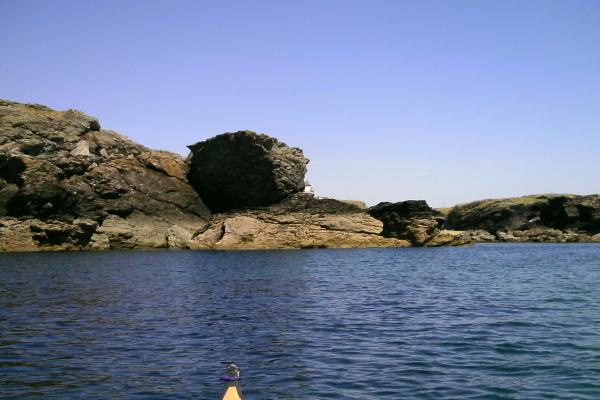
293, 231
60, 167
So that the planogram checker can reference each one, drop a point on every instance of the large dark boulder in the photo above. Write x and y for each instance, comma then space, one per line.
245, 169
58, 169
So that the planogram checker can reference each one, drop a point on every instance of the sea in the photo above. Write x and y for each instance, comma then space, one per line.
492, 321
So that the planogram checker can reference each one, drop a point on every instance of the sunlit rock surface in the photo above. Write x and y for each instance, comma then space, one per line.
65, 183
300, 221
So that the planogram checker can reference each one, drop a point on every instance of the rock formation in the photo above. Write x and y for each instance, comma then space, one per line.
536, 218
416, 222
245, 169
300, 221
65, 183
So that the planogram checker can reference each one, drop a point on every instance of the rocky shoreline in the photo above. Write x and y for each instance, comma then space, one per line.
68, 184
549, 218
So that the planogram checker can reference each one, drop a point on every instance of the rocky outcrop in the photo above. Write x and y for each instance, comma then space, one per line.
34, 234
300, 221
65, 183
476, 236
245, 169
537, 218
416, 222
496, 214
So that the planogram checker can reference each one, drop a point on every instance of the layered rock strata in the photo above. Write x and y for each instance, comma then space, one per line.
300, 221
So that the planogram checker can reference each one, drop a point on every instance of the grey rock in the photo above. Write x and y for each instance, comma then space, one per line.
178, 237
479, 236
137, 231
99, 242
82, 149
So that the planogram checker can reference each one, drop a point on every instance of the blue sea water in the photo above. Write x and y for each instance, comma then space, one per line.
493, 321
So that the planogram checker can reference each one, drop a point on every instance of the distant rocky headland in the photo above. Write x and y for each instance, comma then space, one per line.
67, 184
537, 218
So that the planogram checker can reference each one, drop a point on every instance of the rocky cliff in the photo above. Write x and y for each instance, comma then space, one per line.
65, 183
536, 218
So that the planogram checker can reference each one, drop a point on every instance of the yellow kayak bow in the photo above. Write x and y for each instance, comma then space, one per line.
231, 389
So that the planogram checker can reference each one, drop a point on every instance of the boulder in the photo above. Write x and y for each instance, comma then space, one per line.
245, 169
60, 168
416, 222
177, 237
478, 236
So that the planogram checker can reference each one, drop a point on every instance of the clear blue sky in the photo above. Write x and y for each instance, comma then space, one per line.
446, 101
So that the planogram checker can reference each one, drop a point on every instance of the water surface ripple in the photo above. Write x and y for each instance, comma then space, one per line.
494, 321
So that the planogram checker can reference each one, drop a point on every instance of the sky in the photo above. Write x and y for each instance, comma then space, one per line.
445, 101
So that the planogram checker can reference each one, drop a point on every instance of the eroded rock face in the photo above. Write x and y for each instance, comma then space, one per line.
298, 222
60, 168
573, 213
34, 234
245, 169
416, 222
